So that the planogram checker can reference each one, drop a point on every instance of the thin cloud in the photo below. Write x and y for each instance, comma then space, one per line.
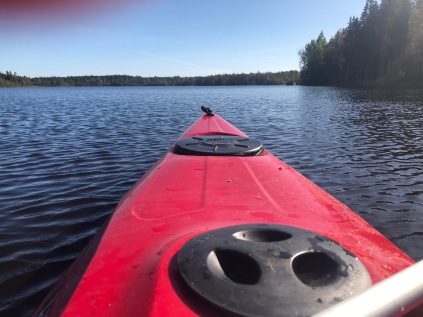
168, 59
199, 68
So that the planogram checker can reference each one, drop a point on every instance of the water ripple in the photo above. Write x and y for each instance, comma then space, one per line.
67, 156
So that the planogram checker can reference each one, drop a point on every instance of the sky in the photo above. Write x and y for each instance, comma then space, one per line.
163, 37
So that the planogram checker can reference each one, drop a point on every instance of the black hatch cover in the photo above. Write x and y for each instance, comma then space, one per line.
218, 145
270, 270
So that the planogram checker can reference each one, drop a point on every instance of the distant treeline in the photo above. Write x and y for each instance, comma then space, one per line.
384, 46
10, 79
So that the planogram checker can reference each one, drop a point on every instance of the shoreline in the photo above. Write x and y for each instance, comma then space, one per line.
259, 78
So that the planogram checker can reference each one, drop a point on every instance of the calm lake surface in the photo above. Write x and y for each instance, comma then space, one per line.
67, 156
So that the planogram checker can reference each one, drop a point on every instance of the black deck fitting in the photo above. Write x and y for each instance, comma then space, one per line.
207, 110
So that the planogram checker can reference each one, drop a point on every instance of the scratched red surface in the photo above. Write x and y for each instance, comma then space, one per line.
183, 196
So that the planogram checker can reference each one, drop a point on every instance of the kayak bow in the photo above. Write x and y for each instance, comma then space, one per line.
219, 226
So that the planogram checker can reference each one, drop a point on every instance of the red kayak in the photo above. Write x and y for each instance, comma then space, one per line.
220, 226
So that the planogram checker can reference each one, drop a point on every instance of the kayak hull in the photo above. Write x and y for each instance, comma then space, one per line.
128, 269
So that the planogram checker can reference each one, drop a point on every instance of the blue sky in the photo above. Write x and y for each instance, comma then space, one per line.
169, 37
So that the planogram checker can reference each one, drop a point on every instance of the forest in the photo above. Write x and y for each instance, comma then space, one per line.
9, 79
383, 47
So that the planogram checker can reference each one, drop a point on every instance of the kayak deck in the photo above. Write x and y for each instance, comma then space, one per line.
129, 269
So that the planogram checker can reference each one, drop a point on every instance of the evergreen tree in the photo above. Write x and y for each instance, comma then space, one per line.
312, 61
384, 45
414, 52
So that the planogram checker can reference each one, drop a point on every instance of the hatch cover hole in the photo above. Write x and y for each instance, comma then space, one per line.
262, 235
235, 266
315, 269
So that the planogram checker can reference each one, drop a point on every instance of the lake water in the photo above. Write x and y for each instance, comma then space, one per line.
67, 155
